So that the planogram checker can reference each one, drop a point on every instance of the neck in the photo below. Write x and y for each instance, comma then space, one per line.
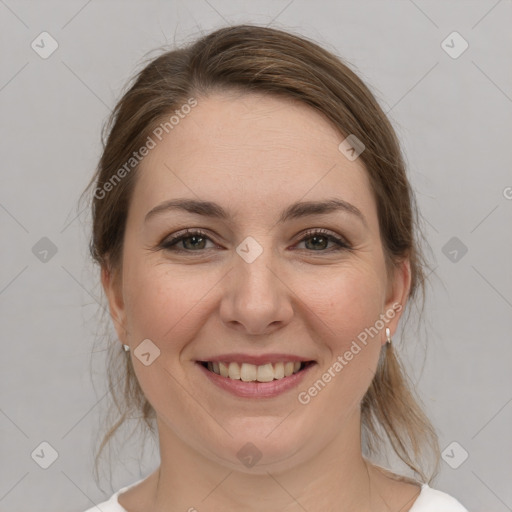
335, 478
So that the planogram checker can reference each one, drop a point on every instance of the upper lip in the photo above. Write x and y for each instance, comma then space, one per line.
257, 360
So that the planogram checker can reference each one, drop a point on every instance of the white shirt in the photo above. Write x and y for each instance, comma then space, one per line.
429, 500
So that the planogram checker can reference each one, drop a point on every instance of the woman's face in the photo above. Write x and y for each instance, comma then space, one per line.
254, 286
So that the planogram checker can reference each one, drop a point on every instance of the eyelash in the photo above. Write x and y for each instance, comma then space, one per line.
170, 243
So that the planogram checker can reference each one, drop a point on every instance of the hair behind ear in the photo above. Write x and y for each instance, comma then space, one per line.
390, 405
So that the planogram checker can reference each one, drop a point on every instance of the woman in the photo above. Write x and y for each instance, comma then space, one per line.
258, 245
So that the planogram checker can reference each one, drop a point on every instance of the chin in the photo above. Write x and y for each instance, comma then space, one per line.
261, 445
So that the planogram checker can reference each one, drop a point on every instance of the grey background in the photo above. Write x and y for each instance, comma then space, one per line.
453, 116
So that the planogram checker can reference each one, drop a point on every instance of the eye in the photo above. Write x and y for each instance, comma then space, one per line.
321, 237
195, 240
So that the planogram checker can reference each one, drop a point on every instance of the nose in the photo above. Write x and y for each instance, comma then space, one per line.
256, 299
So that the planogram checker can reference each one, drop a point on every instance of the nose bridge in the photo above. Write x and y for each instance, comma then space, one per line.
255, 297
254, 274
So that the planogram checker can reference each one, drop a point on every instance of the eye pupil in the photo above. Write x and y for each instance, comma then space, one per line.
193, 237
316, 238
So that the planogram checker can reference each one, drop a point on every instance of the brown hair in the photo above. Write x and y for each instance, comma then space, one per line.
261, 59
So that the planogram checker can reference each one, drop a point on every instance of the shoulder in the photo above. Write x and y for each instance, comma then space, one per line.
133, 496
432, 500
428, 499
111, 505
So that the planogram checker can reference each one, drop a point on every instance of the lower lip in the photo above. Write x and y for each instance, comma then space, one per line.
256, 389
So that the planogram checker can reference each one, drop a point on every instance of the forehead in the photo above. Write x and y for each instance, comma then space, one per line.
250, 151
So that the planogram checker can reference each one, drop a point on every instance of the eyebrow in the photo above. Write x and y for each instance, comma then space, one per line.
294, 211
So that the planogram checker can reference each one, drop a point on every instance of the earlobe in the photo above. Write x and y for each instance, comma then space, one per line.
113, 292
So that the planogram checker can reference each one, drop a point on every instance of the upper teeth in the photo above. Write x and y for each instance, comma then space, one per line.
250, 372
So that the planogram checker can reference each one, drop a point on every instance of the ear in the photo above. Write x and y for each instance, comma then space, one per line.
112, 287
398, 293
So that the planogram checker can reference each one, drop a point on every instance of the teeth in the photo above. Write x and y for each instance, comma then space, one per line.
248, 372
266, 373
251, 373
234, 371
278, 370
223, 369
288, 369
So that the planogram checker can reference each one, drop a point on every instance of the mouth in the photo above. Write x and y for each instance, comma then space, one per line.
249, 380
248, 372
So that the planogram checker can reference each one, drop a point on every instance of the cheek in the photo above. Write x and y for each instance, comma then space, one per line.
170, 305
349, 307
352, 355
164, 305
348, 301
161, 301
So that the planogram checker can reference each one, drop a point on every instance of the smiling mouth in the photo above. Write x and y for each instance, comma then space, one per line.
247, 372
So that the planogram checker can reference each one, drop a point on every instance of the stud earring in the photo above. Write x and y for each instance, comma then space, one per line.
388, 332
126, 348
